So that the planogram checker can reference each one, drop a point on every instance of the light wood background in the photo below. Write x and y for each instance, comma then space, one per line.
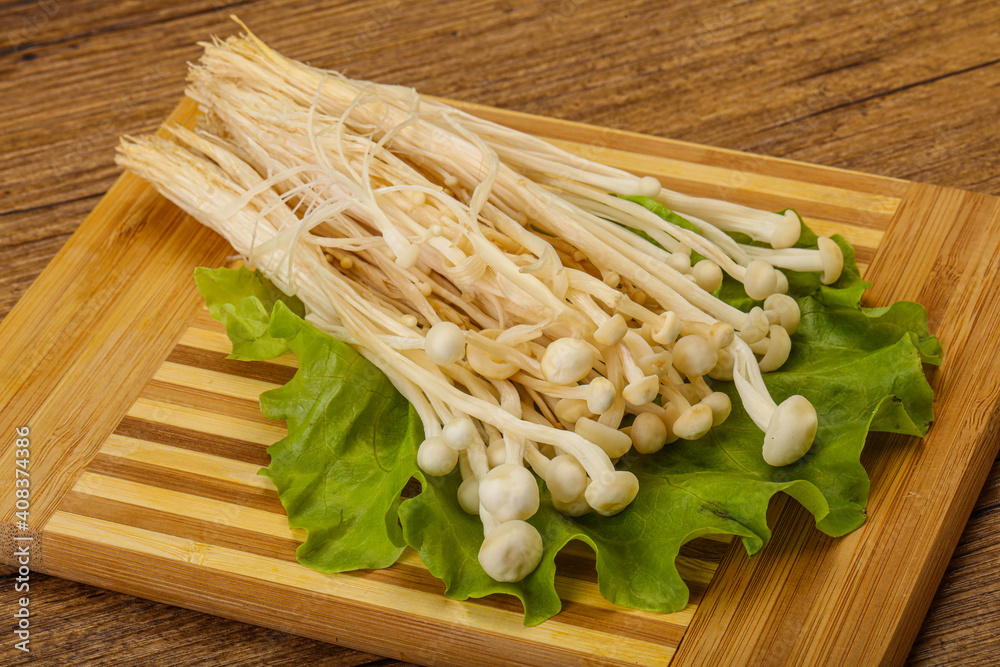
904, 89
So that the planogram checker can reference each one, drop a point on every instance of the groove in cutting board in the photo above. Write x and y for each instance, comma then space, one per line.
311, 602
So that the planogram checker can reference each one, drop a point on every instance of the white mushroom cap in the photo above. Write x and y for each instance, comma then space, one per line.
435, 457
787, 233
669, 328
611, 330
572, 409
787, 310
760, 280
511, 551
721, 335
790, 432
642, 391
648, 433
658, 363
468, 495
720, 405
565, 478
458, 433
694, 422
680, 262
444, 343
602, 395
694, 356
612, 441
778, 348
509, 492
648, 186
832, 258
567, 360
707, 275
612, 492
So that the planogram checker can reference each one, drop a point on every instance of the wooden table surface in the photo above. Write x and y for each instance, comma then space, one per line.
903, 88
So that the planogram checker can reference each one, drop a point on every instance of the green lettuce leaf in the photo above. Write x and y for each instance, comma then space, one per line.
226, 294
352, 438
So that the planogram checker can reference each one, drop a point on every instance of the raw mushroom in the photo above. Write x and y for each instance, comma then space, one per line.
511, 551
775, 349
784, 310
564, 476
509, 492
780, 230
827, 258
648, 433
567, 360
444, 343
435, 457
789, 428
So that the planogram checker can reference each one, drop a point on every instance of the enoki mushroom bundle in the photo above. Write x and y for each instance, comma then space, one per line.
498, 281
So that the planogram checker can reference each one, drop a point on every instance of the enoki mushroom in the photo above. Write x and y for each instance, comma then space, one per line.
495, 279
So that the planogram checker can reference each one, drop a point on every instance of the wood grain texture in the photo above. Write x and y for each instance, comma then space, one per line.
170, 635
903, 88
79, 325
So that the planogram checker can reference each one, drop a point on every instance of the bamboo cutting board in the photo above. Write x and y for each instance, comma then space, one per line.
145, 442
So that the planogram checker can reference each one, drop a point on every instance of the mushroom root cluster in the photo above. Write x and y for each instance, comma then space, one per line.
542, 324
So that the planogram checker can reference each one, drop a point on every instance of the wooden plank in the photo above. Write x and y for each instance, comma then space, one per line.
859, 599
109, 306
365, 608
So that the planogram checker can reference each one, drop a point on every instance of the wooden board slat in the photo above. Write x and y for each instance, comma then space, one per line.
161, 480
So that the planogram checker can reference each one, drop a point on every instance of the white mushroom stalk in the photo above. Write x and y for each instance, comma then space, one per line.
789, 428
492, 277
780, 230
828, 259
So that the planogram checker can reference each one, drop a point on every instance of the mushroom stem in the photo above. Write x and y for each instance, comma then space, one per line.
789, 428
564, 476
598, 394
780, 230
827, 258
